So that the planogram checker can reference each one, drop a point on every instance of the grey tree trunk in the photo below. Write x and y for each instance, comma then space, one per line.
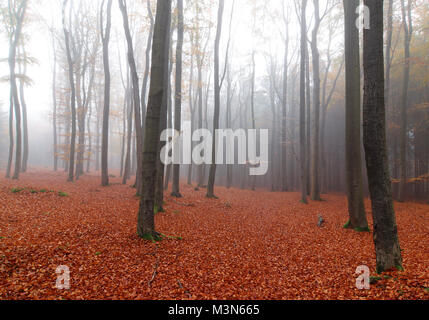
160, 167
11, 136
105, 38
403, 140
357, 216
24, 113
178, 94
284, 115
212, 174
136, 96
387, 249
302, 105
130, 108
54, 100
315, 156
158, 85
15, 38
147, 66
72, 98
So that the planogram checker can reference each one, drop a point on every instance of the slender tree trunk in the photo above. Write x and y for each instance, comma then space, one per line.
302, 132
54, 98
388, 252
72, 99
212, 175
106, 110
147, 66
160, 167
88, 162
178, 94
252, 106
403, 140
315, 156
284, 116
127, 166
24, 116
136, 96
357, 216
19, 16
11, 136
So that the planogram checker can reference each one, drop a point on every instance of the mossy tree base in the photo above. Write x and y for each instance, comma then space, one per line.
158, 237
349, 225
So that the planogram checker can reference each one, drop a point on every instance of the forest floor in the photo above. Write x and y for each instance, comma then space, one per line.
245, 245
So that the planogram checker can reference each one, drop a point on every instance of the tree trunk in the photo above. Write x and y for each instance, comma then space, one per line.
24, 115
158, 85
388, 252
284, 116
403, 140
54, 98
357, 216
11, 139
136, 96
178, 94
105, 38
302, 133
315, 185
72, 99
212, 175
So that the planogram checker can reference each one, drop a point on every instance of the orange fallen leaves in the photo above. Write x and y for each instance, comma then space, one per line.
246, 245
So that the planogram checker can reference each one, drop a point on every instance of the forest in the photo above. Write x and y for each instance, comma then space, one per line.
214, 150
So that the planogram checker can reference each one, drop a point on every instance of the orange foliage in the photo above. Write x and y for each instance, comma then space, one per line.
247, 245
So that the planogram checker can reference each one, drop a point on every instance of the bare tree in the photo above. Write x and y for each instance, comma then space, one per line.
105, 38
302, 134
217, 86
70, 63
387, 249
357, 216
407, 24
178, 93
136, 94
146, 223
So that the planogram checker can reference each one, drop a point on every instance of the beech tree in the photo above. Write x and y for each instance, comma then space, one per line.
387, 249
212, 175
158, 81
357, 216
105, 38
178, 93
70, 63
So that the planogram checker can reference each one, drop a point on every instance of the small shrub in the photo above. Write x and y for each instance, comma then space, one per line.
373, 280
16, 190
62, 194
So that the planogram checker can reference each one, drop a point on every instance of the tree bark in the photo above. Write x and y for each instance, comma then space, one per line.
178, 94
315, 156
160, 49
105, 38
387, 249
212, 174
403, 140
356, 208
302, 132
72, 98
136, 95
